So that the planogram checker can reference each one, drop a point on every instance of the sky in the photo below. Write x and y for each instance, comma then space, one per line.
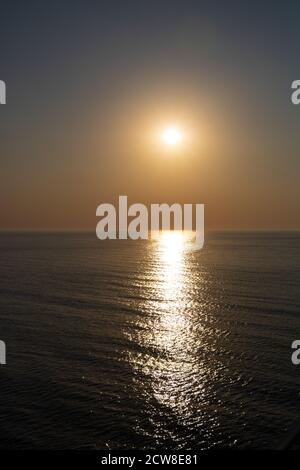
90, 84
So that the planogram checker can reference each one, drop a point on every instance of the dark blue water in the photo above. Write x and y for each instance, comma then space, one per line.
123, 344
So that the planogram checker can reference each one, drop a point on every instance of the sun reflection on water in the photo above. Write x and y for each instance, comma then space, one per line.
167, 328
170, 254
168, 331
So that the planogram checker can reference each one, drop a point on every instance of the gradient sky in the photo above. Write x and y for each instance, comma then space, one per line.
90, 82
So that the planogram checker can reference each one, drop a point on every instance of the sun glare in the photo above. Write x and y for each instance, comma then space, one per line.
172, 136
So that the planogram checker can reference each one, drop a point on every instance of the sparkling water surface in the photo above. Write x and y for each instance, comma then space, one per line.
149, 344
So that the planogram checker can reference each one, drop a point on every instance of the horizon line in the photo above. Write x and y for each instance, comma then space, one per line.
58, 231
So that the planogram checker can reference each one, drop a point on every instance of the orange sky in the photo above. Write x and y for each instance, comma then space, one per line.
81, 121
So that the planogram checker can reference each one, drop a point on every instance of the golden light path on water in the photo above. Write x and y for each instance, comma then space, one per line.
173, 323
169, 334
171, 280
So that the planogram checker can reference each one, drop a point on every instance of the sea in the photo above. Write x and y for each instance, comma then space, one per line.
149, 344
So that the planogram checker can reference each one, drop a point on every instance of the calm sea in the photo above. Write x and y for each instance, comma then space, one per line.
143, 344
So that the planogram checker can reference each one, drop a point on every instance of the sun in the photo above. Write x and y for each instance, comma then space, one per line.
172, 136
